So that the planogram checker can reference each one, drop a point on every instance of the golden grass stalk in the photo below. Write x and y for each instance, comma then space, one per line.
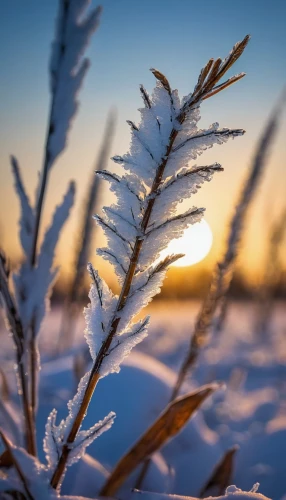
192, 100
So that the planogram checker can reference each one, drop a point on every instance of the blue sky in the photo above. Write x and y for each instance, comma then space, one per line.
177, 37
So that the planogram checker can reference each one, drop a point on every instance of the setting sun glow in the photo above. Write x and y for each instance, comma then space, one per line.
195, 243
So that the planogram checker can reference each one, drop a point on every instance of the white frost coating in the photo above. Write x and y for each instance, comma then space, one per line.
56, 436
146, 286
194, 143
130, 193
144, 219
179, 187
98, 317
160, 236
32, 285
98, 313
27, 219
122, 344
67, 68
85, 438
150, 139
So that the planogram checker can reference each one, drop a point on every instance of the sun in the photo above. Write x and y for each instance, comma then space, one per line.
195, 243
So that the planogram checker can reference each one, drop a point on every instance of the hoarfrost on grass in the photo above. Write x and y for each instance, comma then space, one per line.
32, 284
56, 437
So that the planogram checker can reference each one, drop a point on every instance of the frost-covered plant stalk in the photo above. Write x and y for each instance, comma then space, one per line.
142, 223
33, 280
216, 298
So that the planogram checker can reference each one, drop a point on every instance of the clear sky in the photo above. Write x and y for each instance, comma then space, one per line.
177, 37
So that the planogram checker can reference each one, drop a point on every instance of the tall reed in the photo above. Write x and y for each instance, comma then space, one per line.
140, 226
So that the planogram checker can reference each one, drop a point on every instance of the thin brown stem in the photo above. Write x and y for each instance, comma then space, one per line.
38, 217
16, 329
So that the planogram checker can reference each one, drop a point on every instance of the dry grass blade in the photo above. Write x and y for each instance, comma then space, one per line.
224, 85
203, 74
11, 458
221, 476
213, 74
169, 423
234, 55
223, 273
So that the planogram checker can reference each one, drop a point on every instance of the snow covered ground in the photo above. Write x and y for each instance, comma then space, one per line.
251, 412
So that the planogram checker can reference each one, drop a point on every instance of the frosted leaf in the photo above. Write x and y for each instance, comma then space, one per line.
32, 285
130, 194
122, 344
56, 436
179, 188
195, 143
98, 313
158, 238
145, 286
165, 109
140, 159
128, 229
27, 219
67, 68
85, 438
121, 256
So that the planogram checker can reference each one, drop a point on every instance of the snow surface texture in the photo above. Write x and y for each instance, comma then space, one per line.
33, 284
251, 412
232, 493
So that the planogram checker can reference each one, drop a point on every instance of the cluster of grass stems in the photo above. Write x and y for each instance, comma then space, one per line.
209, 321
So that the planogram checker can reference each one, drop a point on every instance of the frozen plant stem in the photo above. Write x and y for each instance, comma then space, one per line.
16, 329
204, 89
